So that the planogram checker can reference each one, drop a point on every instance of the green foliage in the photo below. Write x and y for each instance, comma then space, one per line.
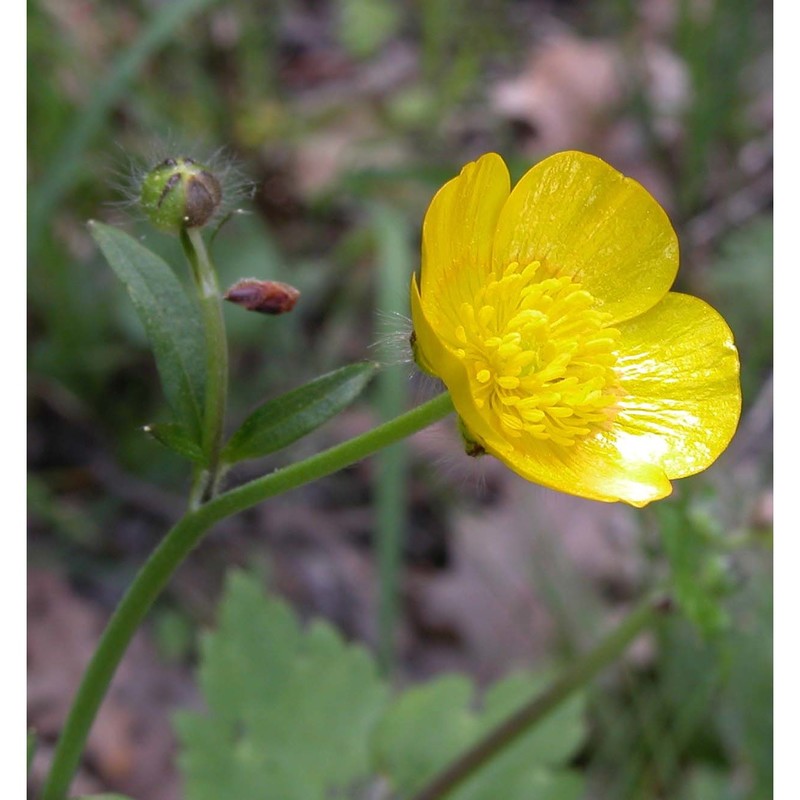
174, 634
287, 418
365, 25
68, 162
707, 783
454, 35
716, 44
427, 727
289, 710
171, 321
74, 524
745, 720
299, 714
698, 722
710, 708
741, 282
698, 573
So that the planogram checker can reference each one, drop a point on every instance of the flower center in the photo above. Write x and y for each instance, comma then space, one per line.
539, 355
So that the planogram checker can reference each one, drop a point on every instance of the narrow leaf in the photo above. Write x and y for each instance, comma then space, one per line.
287, 418
176, 438
171, 321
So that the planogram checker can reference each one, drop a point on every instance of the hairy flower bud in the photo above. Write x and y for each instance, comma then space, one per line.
180, 193
266, 297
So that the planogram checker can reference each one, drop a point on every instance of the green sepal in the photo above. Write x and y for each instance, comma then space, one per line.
171, 321
176, 438
472, 447
287, 418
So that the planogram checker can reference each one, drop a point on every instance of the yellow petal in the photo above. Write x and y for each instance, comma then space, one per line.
437, 358
680, 370
592, 469
459, 229
430, 351
679, 396
424, 340
579, 216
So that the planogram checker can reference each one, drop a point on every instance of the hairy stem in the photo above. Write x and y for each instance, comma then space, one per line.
174, 548
205, 279
572, 679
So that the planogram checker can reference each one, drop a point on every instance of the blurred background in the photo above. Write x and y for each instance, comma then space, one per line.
346, 116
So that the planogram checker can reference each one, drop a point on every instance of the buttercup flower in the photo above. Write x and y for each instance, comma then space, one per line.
547, 313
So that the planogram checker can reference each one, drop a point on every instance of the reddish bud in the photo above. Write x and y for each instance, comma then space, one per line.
266, 297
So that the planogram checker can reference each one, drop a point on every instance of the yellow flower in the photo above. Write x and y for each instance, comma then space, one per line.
547, 313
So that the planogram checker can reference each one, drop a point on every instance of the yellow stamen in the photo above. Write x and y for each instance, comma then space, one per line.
540, 354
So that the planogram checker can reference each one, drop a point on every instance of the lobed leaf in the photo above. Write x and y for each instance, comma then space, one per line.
287, 418
289, 710
171, 321
297, 714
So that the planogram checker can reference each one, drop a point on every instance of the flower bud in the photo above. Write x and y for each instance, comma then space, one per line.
266, 297
180, 193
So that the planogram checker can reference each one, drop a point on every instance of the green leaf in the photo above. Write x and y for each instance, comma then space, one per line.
176, 438
289, 710
427, 727
171, 321
694, 563
424, 729
287, 418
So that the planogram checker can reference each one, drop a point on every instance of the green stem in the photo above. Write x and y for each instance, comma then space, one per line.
205, 278
576, 676
174, 548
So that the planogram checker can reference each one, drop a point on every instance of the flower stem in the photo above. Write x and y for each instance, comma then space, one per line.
174, 548
205, 279
572, 679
